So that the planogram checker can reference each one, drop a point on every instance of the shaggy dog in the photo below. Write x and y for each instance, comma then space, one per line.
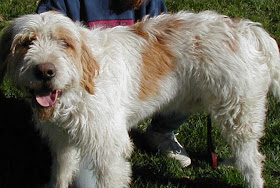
87, 88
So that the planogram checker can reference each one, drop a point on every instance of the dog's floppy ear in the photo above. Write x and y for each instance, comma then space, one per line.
89, 66
5, 48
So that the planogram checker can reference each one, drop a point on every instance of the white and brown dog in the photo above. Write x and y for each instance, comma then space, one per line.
87, 88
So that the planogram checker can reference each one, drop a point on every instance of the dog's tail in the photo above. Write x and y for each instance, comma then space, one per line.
269, 49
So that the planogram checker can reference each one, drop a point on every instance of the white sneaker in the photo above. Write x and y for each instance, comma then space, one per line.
167, 144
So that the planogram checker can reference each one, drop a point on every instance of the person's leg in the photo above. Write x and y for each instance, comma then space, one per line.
160, 137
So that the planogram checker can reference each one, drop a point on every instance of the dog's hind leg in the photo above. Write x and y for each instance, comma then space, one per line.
249, 162
243, 133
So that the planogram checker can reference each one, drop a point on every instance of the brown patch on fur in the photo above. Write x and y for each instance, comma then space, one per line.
158, 58
166, 29
158, 62
170, 28
90, 67
197, 43
21, 44
45, 113
71, 44
138, 29
198, 48
66, 36
87, 64
13, 49
235, 20
231, 21
233, 43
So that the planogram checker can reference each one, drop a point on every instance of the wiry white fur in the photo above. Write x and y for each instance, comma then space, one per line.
222, 67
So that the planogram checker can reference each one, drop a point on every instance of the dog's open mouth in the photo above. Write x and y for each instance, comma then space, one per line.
47, 98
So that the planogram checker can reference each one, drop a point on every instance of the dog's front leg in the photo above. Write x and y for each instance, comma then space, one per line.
111, 165
116, 173
66, 160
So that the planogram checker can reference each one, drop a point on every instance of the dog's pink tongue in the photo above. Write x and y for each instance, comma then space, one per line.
47, 99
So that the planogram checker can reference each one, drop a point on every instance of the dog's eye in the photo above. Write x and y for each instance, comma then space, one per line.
65, 44
26, 43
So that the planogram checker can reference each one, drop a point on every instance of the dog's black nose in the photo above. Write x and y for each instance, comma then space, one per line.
45, 71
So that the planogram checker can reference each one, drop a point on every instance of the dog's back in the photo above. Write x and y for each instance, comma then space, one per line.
191, 62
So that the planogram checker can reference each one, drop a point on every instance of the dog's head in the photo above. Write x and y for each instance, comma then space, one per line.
46, 55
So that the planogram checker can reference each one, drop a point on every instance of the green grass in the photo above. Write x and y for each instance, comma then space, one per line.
153, 170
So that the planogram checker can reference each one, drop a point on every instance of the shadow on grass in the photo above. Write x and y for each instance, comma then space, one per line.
148, 175
148, 178
25, 158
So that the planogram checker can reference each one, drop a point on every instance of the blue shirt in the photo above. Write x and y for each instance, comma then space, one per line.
98, 12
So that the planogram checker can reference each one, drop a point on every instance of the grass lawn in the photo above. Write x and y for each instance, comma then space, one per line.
149, 169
